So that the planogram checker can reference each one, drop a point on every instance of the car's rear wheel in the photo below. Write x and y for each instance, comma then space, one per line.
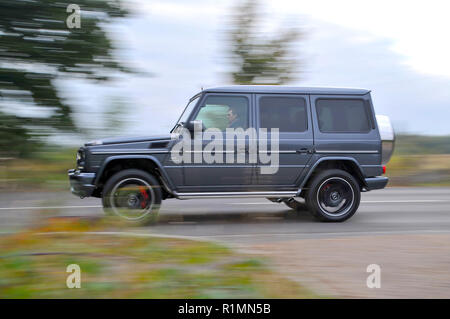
333, 196
133, 195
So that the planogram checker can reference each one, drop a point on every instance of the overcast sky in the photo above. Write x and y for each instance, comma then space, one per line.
398, 49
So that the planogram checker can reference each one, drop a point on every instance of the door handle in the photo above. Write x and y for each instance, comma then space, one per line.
305, 150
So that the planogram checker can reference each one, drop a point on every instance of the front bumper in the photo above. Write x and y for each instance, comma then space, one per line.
81, 184
377, 182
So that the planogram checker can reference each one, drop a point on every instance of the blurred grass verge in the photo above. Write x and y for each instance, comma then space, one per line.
420, 161
33, 265
45, 170
419, 170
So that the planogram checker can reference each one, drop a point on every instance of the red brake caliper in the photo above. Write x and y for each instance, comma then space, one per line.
145, 195
325, 189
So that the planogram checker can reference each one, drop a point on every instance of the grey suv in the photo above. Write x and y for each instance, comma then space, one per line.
324, 145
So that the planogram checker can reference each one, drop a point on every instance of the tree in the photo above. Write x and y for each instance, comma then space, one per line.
255, 58
36, 49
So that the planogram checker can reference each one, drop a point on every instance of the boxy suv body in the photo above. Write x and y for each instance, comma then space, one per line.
329, 148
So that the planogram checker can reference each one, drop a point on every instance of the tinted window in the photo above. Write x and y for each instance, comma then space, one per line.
288, 114
224, 112
342, 116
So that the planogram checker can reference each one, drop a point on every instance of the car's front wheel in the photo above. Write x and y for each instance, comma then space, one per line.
333, 196
133, 195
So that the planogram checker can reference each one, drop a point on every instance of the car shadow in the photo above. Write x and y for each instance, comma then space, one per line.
287, 215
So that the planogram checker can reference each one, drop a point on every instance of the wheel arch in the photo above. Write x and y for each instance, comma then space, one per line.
348, 164
148, 163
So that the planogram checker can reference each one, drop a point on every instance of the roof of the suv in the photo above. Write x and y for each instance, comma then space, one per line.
286, 89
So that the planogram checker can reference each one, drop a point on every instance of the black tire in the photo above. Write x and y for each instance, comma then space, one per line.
328, 190
140, 191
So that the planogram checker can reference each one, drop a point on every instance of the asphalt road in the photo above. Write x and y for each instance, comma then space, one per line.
406, 231
388, 211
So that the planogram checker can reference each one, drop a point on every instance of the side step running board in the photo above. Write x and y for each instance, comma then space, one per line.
282, 194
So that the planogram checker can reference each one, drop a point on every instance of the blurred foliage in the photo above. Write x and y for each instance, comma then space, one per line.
37, 48
47, 169
33, 265
408, 144
14, 138
419, 170
112, 118
420, 160
255, 58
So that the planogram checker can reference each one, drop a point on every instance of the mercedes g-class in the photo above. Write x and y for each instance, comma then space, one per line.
323, 145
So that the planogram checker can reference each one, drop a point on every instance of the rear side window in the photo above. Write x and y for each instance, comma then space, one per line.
342, 116
288, 114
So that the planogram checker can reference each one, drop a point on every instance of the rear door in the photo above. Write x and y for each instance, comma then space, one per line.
290, 114
344, 125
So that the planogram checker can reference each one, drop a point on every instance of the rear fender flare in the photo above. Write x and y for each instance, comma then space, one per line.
359, 170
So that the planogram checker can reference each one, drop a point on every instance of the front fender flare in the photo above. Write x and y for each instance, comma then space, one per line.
153, 159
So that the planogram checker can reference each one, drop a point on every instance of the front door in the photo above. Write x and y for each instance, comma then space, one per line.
216, 168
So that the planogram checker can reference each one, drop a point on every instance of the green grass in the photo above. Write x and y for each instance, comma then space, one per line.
419, 170
46, 170
408, 144
33, 265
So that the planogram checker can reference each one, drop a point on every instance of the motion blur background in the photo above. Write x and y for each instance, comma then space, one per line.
133, 64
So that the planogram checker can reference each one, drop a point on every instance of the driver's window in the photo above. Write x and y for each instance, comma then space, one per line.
222, 112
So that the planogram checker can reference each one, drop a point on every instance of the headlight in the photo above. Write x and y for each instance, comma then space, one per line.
80, 159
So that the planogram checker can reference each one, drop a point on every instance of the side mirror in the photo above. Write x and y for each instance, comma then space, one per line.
193, 126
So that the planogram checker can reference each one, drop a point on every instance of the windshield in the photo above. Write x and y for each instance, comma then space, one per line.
187, 111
